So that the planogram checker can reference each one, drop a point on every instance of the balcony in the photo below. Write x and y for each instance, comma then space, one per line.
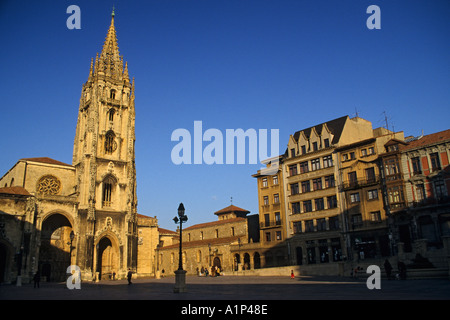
270, 224
360, 183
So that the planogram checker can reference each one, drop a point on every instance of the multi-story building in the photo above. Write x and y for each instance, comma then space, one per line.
272, 217
214, 244
417, 189
310, 168
362, 207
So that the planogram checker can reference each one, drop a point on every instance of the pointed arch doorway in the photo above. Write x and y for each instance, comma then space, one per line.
107, 259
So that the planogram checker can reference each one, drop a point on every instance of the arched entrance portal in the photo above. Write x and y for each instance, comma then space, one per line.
54, 253
107, 259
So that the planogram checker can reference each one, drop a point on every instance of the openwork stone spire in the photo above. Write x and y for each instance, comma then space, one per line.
110, 63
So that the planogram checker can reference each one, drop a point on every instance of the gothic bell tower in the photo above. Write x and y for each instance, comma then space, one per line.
104, 158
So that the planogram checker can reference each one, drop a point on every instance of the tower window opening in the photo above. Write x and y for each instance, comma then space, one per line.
111, 115
107, 193
112, 94
110, 143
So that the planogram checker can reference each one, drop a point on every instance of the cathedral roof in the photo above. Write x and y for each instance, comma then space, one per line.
15, 191
231, 208
46, 160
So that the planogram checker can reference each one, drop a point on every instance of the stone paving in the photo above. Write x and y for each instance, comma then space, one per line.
236, 288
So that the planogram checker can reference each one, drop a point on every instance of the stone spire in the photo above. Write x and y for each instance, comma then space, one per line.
110, 61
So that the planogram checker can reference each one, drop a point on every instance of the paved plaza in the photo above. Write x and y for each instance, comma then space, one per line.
236, 288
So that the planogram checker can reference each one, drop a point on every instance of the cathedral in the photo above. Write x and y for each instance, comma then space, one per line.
53, 214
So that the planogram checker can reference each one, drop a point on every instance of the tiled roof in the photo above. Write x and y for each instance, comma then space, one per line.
214, 223
204, 242
231, 208
15, 190
429, 139
47, 160
166, 231
335, 126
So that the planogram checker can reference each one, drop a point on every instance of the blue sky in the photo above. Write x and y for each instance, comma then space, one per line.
231, 64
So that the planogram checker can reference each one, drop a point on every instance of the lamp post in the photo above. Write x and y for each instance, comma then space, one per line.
180, 274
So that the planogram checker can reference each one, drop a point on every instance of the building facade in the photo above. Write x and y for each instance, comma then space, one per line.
215, 245
84, 213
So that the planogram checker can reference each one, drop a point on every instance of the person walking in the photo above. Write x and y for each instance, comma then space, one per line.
37, 279
129, 275
388, 268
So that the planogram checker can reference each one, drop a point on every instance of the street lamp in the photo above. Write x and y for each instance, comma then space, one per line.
180, 274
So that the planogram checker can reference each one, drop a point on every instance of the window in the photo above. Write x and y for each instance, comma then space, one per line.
435, 163
268, 238
294, 188
111, 114
107, 192
332, 202
277, 218
266, 220
391, 167
306, 187
319, 204
275, 180
375, 216
295, 207
112, 94
276, 198
110, 143
304, 167
352, 179
321, 224
266, 200
315, 164
329, 181
439, 187
327, 161
345, 157
354, 197
372, 194
307, 206
293, 170
317, 184
370, 174
395, 194
326, 142
415, 162
371, 150
363, 152
264, 182
297, 226
357, 220
352, 155
217, 233
292, 152
303, 149
420, 191
315, 148
278, 235
309, 226
334, 223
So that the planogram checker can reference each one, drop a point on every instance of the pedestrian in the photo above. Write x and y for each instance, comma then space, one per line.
37, 279
130, 273
388, 268
292, 274
114, 275
402, 270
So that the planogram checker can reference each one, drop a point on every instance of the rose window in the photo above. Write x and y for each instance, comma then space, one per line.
48, 185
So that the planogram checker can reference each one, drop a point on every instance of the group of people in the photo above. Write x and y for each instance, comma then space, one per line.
401, 267
213, 271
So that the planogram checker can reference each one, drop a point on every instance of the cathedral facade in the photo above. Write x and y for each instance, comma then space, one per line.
53, 214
